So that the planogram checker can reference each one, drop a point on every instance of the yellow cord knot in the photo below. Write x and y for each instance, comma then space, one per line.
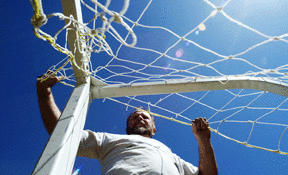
38, 20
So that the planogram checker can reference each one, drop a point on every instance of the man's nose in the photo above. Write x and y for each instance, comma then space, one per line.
139, 118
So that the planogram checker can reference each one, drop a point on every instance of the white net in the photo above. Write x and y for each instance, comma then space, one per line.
166, 40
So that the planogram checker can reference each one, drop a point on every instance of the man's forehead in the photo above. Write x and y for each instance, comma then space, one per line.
137, 112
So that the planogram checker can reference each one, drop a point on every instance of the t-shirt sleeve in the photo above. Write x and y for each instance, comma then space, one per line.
188, 168
90, 144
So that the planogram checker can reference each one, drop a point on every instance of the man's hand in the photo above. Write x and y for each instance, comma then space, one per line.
49, 82
200, 127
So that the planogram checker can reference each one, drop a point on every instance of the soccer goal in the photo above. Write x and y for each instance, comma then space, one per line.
216, 63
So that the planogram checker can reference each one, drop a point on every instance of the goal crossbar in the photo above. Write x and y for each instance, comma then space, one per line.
100, 90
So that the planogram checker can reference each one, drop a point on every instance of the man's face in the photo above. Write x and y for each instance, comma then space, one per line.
141, 123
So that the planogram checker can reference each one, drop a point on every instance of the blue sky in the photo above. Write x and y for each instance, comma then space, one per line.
24, 58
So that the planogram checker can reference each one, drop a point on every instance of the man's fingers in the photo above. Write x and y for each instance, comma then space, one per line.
200, 123
205, 123
55, 79
61, 78
196, 124
200, 127
50, 72
49, 79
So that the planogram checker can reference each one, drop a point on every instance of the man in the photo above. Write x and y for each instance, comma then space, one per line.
136, 152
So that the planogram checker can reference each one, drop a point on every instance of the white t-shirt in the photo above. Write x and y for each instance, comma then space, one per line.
132, 154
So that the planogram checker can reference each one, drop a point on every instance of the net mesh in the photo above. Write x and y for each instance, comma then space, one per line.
156, 45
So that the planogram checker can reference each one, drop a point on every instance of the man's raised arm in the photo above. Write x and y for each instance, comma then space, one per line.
207, 162
48, 108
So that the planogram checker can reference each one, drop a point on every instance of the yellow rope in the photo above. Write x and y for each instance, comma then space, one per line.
37, 8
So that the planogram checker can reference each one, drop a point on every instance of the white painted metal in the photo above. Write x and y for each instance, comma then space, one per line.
73, 7
61, 149
189, 85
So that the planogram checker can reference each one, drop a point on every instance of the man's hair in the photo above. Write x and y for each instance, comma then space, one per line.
140, 109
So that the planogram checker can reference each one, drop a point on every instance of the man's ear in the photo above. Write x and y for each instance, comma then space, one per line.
154, 131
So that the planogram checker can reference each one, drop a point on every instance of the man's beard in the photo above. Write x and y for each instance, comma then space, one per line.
139, 131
